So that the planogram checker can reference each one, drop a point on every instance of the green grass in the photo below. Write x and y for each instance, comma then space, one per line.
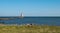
29, 29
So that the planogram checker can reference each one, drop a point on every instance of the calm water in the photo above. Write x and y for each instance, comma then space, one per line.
36, 20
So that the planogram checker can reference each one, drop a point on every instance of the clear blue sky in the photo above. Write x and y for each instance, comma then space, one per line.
30, 7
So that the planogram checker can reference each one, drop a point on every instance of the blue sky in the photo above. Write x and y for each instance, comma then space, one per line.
30, 7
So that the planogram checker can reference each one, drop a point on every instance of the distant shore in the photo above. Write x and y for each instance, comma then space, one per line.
6, 18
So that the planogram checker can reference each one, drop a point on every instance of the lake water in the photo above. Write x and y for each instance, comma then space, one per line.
35, 20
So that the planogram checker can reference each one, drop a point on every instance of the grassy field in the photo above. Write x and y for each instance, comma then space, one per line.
29, 29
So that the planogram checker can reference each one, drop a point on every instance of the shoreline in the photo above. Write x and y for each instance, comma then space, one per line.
29, 29
25, 25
